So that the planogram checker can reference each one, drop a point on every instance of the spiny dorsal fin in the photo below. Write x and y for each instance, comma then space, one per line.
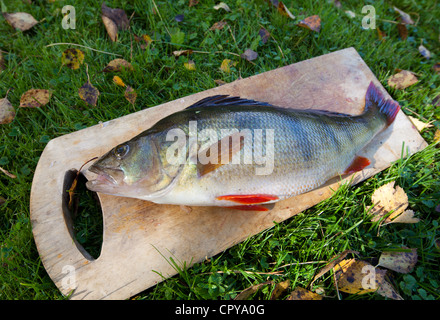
224, 100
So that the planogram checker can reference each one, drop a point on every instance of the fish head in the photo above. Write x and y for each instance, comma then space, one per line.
130, 169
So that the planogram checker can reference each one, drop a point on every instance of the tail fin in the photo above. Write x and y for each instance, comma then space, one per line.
375, 99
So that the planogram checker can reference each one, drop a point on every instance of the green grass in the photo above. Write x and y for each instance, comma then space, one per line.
297, 246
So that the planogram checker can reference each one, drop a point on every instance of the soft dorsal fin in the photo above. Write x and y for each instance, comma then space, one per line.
225, 100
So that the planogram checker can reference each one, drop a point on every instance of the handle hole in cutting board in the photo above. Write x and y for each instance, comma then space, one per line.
84, 218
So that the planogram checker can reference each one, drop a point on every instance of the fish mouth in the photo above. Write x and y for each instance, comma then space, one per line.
105, 178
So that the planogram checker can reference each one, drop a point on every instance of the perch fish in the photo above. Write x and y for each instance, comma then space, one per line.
234, 152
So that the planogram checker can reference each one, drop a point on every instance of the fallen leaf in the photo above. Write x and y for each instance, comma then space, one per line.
72, 58
246, 293
110, 26
6, 172
437, 136
190, 65
223, 6
249, 55
118, 65
436, 101
147, 39
436, 67
420, 125
226, 65
403, 31
381, 35
404, 17
118, 16
424, 52
264, 35
89, 93
313, 23
20, 20
35, 98
179, 53
192, 3
402, 80
219, 82
279, 289
330, 265
118, 81
399, 261
390, 203
130, 95
303, 294
7, 112
284, 11
358, 277
388, 291
218, 25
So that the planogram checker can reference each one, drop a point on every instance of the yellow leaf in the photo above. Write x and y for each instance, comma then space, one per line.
35, 98
303, 294
420, 125
399, 261
437, 135
190, 65
118, 81
88, 93
246, 293
72, 58
390, 203
358, 277
110, 26
147, 39
402, 80
279, 289
313, 23
226, 65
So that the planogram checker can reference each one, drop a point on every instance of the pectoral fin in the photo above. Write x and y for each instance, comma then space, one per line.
224, 154
358, 164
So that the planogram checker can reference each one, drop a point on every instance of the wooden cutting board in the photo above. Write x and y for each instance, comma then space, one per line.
139, 236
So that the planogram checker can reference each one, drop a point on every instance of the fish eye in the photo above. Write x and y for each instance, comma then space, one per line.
121, 150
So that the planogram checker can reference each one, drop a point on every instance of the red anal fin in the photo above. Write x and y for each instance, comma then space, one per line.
250, 208
249, 198
358, 164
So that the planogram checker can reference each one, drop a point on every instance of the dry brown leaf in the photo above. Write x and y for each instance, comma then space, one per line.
72, 58
2, 62
89, 93
130, 95
219, 82
424, 52
279, 289
35, 98
420, 125
402, 80
117, 65
403, 31
218, 25
246, 293
20, 20
303, 294
223, 6
249, 55
6, 172
7, 111
190, 65
390, 203
436, 67
399, 261
110, 26
380, 34
404, 17
313, 23
284, 11
388, 291
358, 277
264, 35
179, 53
118, 16
437, 135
